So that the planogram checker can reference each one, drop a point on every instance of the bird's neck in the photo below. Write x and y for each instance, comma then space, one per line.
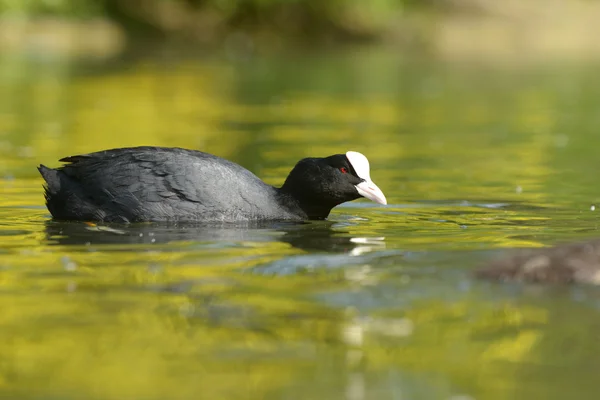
302, 204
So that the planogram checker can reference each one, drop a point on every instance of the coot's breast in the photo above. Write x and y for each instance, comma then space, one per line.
157, 184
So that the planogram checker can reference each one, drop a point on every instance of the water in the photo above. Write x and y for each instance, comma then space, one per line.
376, 303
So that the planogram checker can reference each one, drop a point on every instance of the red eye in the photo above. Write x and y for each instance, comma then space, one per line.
344, 170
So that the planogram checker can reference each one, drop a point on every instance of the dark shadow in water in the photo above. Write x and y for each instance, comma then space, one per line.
309, 236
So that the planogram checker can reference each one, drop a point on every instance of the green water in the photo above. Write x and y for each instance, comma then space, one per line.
376, 303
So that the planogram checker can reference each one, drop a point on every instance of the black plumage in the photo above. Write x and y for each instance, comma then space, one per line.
172, 184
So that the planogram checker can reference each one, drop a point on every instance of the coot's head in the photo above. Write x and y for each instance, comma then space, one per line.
319, 184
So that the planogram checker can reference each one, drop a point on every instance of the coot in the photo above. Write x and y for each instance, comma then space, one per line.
143, 184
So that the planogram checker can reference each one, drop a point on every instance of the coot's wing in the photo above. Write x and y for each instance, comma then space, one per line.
149, 183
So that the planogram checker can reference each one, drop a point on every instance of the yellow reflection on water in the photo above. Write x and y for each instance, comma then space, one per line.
191, 319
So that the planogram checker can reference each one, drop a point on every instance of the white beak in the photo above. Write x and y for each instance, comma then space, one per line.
366, 188
370, 190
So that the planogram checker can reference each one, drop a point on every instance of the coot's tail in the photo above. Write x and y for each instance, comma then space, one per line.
63, 197
52, 186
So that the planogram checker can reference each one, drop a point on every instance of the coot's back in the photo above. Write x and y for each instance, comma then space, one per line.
159, 184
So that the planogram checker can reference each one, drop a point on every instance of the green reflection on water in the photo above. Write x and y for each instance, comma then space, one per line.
376, 304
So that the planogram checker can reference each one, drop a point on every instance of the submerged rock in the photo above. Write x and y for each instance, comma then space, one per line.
563, 263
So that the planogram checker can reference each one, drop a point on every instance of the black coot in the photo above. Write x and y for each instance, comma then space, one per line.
172, 184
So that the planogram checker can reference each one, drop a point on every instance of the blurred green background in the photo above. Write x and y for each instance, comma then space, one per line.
351, 18
480, 119
477, 29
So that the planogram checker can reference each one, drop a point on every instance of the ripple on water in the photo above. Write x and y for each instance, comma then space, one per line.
377, 303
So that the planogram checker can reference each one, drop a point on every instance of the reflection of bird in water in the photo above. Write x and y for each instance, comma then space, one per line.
78, 233
312, 237
319, 237
564, 263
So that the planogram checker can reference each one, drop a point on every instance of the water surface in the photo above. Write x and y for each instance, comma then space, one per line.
376, 303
